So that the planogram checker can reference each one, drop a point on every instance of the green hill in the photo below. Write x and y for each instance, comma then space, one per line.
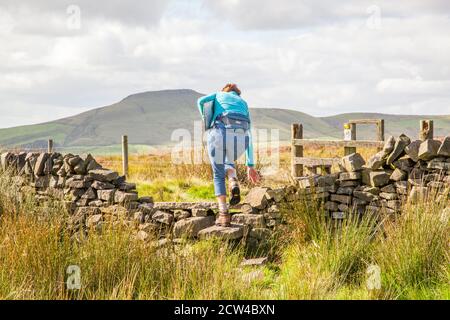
149, 118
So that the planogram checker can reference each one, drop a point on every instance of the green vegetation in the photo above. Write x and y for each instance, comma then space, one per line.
310, 258
148, 119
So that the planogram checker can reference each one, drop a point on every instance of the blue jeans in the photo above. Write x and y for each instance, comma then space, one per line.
225, 146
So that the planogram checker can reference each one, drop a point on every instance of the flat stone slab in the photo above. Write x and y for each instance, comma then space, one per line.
191, 227
254, 262
188, 205
225, 233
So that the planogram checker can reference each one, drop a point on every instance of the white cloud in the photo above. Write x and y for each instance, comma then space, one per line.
310, 56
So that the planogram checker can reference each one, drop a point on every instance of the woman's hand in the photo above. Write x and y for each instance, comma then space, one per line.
253, 175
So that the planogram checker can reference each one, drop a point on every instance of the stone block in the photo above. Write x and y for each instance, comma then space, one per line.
190, 227
399, 148
352, 162
444, 149
254, 220
429, 149
379, 178
226, 233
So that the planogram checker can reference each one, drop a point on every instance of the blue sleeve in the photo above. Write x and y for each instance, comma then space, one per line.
249, 152
201, 101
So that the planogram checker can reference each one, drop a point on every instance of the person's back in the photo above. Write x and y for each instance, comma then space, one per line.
230, 102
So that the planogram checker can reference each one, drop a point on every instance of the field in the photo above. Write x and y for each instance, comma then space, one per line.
308, 258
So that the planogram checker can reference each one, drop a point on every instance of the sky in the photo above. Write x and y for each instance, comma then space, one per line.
322, 57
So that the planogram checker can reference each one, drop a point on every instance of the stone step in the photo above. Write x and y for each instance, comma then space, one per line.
234, 232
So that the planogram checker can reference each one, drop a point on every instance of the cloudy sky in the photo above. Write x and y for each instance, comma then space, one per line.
61, 57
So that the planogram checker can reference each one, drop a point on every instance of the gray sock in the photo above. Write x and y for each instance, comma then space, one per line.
223, 208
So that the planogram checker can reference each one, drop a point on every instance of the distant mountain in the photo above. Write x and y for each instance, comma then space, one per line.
149, 118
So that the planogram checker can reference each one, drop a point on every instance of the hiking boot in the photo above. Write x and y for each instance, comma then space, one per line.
223, 219
235, 192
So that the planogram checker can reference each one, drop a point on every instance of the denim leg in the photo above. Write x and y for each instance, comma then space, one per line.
236, 144
216, 153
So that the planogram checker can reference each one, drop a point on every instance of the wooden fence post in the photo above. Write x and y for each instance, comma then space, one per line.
426, 130
125, 155
50, 146
296, 151
350, 150
381, 130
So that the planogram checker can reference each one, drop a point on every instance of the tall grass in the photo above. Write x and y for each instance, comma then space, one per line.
314, 258
414, 254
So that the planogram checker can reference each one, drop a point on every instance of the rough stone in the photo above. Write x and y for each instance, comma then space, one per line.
379, 178
124, 197
307, 182
126, 186
390, 188
418, 194
260, 233
404, 163
338, 215
257, 198
142, 235
444, 149
254, 262
388, 195
398, 175
344, 176
99, 185
389, 145
365, 196
439, 165
399, 148
331, 206
255, 220
349, 183
77, 184
412, 150
103, 175
163, 217
191, 226
226, 233
429, 149
345, 190
40, 164
93, 220
341, 198
106, 195
352, 162
200, 212
89, 194
376, 161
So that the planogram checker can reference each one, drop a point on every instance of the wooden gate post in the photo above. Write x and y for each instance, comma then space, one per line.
125, 155
50, 146
296, 151
381, 130
426, 130
350, 150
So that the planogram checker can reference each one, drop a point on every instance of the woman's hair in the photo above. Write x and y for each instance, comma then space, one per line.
231, 87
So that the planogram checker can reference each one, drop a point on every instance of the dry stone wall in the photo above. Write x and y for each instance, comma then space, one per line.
402, 171
94, 195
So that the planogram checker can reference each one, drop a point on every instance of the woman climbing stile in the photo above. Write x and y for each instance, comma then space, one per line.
229, 136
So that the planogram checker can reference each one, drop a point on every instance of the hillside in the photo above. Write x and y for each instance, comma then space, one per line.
149, 118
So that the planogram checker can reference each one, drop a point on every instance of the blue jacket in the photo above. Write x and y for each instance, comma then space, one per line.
229, 102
